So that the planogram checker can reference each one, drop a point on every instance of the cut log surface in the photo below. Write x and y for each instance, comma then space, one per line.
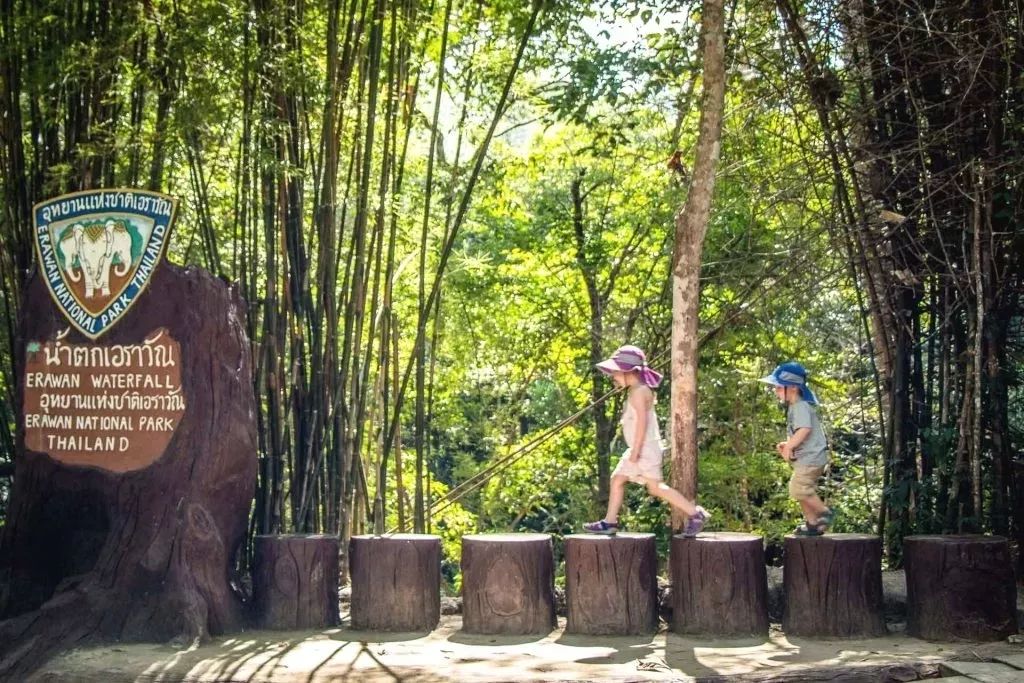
396, 582
295, 581
611, 584
719, 585
90, 554
833, 586
960, 587
508, 584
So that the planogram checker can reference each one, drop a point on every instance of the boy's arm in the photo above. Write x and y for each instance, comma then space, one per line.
787, 447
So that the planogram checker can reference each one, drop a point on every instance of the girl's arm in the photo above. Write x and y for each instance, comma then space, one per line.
640, 399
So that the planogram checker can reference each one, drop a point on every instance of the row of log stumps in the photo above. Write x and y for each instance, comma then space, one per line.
508, 584
295, 581
719, 585
396, 582
958, 587
833, 586
611, 584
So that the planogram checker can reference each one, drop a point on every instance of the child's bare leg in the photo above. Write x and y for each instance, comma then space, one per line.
813, 508
616, 491
660, 489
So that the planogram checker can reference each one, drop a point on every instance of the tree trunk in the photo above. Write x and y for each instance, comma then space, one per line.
508, 584
833, 586
93, 553
611, 584
604, 428
295, 581
960, 587
719, 585
1018, 513
691, 226
396, 582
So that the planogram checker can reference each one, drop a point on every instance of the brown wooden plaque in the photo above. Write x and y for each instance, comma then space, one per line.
114, 407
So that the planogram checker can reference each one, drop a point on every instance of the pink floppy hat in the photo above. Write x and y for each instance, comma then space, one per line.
627, 359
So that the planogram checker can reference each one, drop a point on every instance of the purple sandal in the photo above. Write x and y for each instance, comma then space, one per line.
601, 527
696, 523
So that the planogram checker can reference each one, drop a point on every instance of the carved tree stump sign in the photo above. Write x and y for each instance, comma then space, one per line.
719, 585
508, 584
833, 586
396, 582
295, 581
960, 587
611, 584
136, 458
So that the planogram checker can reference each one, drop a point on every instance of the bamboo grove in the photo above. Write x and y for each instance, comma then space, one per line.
312, 237
924, 130
330, 154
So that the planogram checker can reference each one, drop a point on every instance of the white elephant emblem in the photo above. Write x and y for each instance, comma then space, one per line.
96, 249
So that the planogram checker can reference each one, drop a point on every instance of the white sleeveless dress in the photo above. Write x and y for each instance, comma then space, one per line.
648, 466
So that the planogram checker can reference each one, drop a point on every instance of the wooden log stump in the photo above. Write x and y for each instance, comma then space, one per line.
611, 584
508, 584
719, 585
960, 587
833, 586
295, 581
396, 582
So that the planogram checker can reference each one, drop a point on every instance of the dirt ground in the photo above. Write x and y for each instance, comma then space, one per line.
447, 654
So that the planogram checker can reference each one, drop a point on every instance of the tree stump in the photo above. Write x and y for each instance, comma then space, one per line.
115, 550
611, 584
508, 584
960, 587
396, 582
295, 581
833, 586
719, 585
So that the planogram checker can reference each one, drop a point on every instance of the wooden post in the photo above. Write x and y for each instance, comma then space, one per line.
719, 585
295, 581
611, 584
833, 586
960, 587
508, 584
396, 582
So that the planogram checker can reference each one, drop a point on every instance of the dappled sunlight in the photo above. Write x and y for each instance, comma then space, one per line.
802, 653
447, 653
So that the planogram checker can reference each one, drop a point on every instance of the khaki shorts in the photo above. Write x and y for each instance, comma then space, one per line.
804, 480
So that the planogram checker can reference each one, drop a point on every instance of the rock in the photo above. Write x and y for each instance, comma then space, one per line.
560, 605
451, 605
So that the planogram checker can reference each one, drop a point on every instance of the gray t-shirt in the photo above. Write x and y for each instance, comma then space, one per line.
814, 450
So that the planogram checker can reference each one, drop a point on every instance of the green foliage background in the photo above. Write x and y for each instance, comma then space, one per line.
607, 92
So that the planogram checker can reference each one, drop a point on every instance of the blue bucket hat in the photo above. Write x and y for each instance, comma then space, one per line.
791, 374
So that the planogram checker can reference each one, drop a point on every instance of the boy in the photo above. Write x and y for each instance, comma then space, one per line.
806, 449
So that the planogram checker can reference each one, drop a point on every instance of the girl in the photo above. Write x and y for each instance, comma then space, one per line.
641, 463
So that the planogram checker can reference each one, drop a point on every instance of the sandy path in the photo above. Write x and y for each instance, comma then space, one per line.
448, 654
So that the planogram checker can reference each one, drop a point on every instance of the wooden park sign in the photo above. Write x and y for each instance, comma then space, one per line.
98, 251
135, 463
113, 407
